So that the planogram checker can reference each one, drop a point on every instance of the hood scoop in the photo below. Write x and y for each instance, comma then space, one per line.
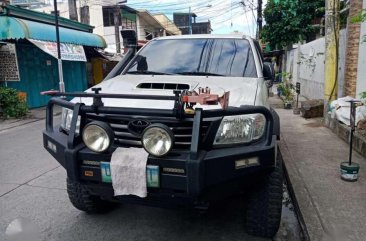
163, 86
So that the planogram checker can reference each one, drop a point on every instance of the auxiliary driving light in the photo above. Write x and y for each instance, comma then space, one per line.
97, 136
157, 139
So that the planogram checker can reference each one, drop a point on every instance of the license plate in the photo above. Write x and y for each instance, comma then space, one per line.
152, 174
105, 169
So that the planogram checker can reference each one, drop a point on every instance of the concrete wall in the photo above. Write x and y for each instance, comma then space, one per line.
96, 19
361, 75
110, 39
95, 11
306, 64
147, 23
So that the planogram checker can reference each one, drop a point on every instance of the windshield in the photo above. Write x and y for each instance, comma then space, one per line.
216, 57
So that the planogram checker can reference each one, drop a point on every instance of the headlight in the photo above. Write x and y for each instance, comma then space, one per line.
157, 139
240, 129
97, 136
66, 118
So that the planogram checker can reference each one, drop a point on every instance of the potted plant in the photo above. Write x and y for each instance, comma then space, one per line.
286, 91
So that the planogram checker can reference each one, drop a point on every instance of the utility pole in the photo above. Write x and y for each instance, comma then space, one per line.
59, 60
259, 18
84, 15
190, 20
117, 15
73, 14
331, 51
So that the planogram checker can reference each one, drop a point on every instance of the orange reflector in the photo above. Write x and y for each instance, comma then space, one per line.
88, 173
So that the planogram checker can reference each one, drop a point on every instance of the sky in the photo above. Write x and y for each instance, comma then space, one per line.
226, 16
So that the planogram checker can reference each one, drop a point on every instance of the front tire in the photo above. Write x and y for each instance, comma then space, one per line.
265, 205
81, 199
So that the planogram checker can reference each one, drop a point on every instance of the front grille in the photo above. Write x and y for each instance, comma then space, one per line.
182, 130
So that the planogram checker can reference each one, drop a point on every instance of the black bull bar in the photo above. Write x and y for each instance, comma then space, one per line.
80, 109
193, 165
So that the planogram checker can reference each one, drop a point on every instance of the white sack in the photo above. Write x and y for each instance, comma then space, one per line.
128, 170
341, 110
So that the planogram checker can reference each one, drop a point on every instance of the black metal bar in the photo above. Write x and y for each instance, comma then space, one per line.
72, 132
129, 111
121, 64
164, 113
352, 124
194, 164
244, 109
62, 102
196, 133
49, 111
72, 167
49, 116
178, 105
116, 96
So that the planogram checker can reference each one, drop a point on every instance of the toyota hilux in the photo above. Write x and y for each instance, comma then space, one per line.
198, 105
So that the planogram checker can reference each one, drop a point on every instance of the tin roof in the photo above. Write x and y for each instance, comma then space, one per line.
16, 28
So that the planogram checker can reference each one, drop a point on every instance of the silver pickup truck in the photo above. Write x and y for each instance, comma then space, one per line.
198, 106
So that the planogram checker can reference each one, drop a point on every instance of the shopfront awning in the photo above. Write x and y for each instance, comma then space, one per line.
15, 28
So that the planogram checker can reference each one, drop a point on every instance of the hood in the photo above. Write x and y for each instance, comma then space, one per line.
242, 90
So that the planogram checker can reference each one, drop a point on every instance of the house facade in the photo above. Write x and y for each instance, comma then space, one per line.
28, 50
185, 21
101, 16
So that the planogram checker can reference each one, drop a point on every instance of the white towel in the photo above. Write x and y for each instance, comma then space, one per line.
128, 170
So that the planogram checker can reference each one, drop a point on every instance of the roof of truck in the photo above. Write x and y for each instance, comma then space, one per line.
212, 36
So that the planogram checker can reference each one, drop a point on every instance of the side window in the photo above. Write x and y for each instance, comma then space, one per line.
259, 52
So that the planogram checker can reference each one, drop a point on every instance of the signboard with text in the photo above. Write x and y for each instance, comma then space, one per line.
9, 70
71, 52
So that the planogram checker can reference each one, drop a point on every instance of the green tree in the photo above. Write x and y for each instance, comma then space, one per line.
288, 21
360, 18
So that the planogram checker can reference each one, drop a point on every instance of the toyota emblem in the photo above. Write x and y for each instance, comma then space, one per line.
137, 126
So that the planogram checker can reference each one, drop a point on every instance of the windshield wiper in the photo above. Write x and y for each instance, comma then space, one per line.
147, 72
199, 73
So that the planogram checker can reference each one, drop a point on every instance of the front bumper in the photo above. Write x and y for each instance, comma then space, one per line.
199, 175
203, 172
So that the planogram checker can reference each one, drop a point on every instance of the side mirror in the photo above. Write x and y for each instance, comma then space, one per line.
129, 38
268, 73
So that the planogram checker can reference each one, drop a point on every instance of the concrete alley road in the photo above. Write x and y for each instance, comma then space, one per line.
32, 186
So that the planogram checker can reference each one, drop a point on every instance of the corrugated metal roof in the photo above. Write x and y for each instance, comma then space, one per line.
21, 13
15, 28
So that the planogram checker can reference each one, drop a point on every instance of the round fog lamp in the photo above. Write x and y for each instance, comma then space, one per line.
97, 136
157, 139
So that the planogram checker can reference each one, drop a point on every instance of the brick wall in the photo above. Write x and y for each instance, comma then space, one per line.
352, 49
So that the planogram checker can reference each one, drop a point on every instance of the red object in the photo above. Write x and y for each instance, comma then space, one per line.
204, 97
50, 92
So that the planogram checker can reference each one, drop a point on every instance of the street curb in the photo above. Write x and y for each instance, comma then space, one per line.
305, 208
25, 122
19, 124
295, 203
